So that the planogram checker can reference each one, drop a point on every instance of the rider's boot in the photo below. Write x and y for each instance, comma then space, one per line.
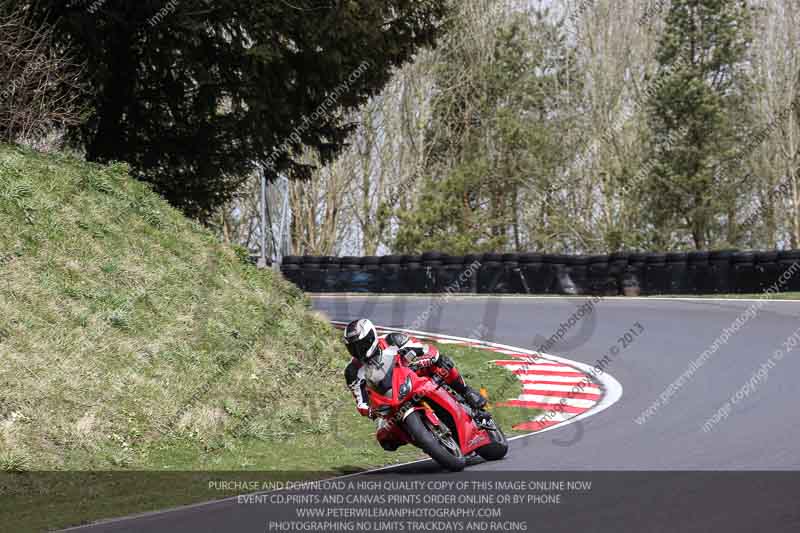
470, 395
477, 402
474, 398
446, 369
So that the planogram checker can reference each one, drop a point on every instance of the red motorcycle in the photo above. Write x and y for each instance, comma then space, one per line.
425, 412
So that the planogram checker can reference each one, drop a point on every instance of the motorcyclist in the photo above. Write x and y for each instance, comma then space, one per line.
366, 347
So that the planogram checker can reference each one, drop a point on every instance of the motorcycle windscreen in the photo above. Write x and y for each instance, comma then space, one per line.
379, 377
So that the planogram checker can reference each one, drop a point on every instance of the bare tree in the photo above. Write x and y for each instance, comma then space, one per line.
318, 209
238, 221
616, 55
40, 84
776, 160
350, 204
581, 190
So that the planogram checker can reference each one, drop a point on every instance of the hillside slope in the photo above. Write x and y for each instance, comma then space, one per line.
130, 338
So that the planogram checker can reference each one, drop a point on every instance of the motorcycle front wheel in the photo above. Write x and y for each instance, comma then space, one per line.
442, 448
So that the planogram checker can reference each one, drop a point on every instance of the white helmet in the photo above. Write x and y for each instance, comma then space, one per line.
361, 339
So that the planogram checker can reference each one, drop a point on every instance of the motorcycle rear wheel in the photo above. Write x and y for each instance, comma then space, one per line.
447, 454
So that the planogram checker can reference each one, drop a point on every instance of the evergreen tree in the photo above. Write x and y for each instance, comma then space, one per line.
692, 117
193, 93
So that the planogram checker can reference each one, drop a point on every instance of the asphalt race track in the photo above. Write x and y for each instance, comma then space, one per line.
761, 431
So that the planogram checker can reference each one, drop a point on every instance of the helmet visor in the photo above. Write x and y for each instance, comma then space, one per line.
358, 348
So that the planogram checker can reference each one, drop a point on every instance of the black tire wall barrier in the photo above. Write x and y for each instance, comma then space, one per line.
621, 273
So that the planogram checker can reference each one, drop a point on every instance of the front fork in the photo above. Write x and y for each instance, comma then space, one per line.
442, 431
412, 406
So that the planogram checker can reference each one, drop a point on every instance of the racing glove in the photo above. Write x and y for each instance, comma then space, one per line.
361, 401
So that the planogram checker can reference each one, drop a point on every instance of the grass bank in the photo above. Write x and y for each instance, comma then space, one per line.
132, 341
127, 330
